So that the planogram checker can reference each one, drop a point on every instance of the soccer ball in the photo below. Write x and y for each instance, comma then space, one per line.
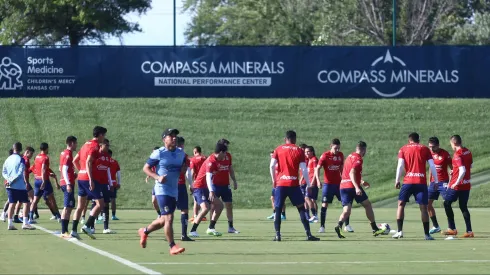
386, 228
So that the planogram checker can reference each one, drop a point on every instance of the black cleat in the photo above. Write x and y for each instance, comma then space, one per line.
17, 220
338, 230
312, 238
186, 239
277, 238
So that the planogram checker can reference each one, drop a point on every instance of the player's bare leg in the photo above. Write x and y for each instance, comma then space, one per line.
313, 206
425, 221
10, 216
82, 203
155, 225
217, 206
463, 206
5, 209
195, 209
16, 212
204, 211
25, 213
53, 206
99, 205
33, 206
432, 216
370, 215
400, 216
271, 217
229, 215
346, 210
155, 204
114, 208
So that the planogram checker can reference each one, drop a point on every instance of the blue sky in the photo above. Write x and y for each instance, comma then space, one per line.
156, 25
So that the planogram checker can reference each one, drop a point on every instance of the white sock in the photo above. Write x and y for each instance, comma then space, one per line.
24, 221
11, 222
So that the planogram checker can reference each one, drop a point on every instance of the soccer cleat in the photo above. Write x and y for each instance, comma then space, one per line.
398, 235
435, 230
271, 217
321, 230
313, 219
312, 238
3, 217
53, 218
11, 227
82, 221
204, 219
114, 218
176, 250
36, 216
191, 219
378, 232
277, 238
186, 239
65, 235
213, 232
59, 220
429, 238
348, 228
75, 235
339, 232
283, 217
450, 232
99, 222
143, 237
28, 227
32, 222
88, 232
194, 234
468, 235
100, 218
108, 231
17, 220
233, 230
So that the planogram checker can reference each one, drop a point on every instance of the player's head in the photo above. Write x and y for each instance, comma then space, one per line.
197, 151
413, 138
220, 151
29, 152
180, 142
290, 137
71, 143
456, 142
361, 148
109, 152
434, 144
17, 148
310, 152
224, 141
272, 153
104, 145
44, 147
99, 133
169, 137
335, 145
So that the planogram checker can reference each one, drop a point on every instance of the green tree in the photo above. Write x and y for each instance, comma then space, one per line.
474, 33
67, 22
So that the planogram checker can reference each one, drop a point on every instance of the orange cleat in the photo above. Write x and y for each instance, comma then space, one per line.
450, 232
468, 235
191, 219
176, 250
204, 219
143, 237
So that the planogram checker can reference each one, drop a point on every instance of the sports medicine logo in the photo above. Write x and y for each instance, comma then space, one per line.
10, 74
400, 74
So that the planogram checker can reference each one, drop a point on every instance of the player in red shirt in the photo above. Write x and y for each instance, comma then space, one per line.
459, 187
87, 187
153, 198
303, 181
283, 213
183, 197
289, 159
332, 162
351, 189
116, 183
203, 190
102, 176
195, 165
413, 156
67, 183
312, 196
442, 161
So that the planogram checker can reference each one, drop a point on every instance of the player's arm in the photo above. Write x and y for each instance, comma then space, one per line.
232, 176
433, 169
64, 172
317, 175
272, 170
76, 162
462, 172
352, 176
118, 178
304, 172
398, 175
43, 173
109, 178
209, 180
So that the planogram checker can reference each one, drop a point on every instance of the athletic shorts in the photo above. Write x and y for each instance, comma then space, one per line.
293, 193
48, 188
273, 191
167, 204
348, 196
68, 198
114, 194
183, 198
223, 192
419, 191
84, 190
106, 192
201, 195
16, 195
313, 194
303, 189
329, 191
454, 195
436, 189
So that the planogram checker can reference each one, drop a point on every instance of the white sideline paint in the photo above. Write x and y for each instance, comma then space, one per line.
104, 253
340, 262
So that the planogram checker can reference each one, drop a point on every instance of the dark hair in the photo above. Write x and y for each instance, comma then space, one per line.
106, 141
434, 140
361, 145
272, 152
180, 141
11, 151
291, 136
30, 149
198, 149
110, 152
44, 146
457, 139
303, 146
311, 148
223, 141
335, 141
414, 137
71, 139
220, 148
17, 147
156, 148
99, 130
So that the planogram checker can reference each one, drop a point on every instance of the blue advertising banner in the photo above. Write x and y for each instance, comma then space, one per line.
253, 72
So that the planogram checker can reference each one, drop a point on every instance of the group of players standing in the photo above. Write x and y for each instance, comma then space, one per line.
99, 178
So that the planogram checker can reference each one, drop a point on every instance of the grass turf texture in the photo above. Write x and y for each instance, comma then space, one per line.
254, 127
253, 251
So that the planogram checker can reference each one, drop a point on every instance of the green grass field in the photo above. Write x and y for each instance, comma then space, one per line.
254, 127
252, 251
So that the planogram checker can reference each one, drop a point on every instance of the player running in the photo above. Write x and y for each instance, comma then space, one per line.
196, 163
413, 156
332, 163
459, 187
67, 183
183, 197
153, 198
283, 214
116, 183
442, 161
289, 159
351, 189
312, 196
169, 161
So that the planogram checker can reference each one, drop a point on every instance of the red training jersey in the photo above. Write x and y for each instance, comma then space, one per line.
101, 169
195, 164
312, 163
332, 164
66, 158
415, 156
222, 177
90, 148
288, 157
353, 161
182, 173
462, 157
210, 165
442, 159
114, 169
28, 170
41, 159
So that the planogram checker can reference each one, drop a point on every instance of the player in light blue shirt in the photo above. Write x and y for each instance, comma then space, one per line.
169, 161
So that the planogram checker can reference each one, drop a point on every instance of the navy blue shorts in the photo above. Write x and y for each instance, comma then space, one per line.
48, 188
273, 191
436, 189
348, 195
201, 195
16, 195
84, 190
419, 191
106, 192
68, 198
166, 203
303, 189
329, 191
313, 194
454, 195
114, 194
293, 193
223, 192
183, 198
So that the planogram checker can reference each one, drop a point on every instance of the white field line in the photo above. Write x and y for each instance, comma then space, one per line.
307, 263
104, 253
